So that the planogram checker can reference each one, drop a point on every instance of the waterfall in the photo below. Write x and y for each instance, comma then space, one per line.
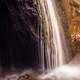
54, 50
58, 33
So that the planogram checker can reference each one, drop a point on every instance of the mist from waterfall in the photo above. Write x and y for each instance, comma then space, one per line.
56, 46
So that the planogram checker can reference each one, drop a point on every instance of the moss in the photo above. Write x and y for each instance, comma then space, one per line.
42, 19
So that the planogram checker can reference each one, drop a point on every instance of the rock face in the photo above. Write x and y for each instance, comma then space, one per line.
18, 26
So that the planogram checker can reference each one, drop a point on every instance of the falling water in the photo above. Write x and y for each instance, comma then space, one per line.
55, 52
57, 32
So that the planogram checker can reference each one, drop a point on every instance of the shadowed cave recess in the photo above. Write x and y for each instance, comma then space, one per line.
19, 44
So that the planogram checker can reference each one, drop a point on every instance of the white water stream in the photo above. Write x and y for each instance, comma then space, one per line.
56, 58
